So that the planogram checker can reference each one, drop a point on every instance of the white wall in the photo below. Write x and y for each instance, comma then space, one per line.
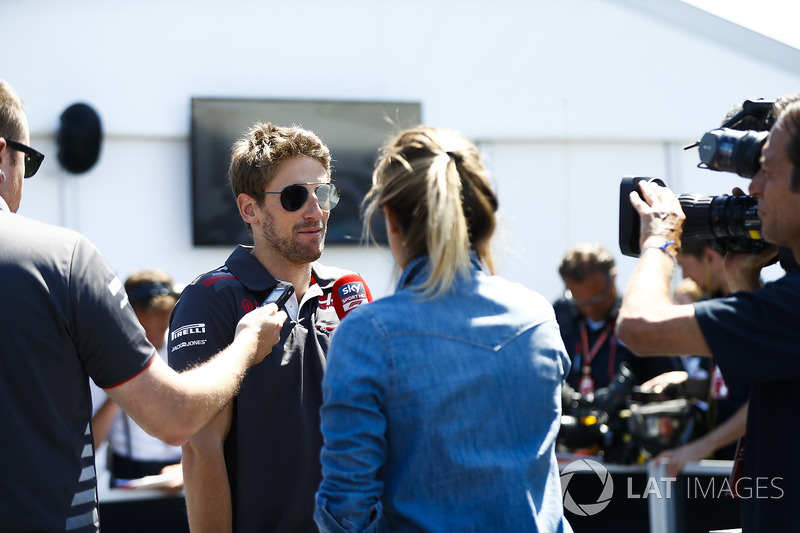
563, 97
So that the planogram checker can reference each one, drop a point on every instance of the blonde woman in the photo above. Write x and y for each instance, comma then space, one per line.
442, 402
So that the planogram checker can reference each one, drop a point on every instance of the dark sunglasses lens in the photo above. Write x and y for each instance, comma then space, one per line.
293, 197
327, 196
32, 164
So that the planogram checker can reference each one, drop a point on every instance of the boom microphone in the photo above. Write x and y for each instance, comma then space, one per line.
349, 292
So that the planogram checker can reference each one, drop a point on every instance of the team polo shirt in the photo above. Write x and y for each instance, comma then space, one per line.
272, 450
64, 316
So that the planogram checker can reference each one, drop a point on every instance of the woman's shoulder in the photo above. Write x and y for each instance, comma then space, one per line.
516, 292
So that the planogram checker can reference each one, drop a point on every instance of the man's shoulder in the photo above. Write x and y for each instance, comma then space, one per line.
211, 293
563, 303
790, 281
204, 319
780, 294
35, 231
565, 310
217, 279
36, 245
217, 293
238, 267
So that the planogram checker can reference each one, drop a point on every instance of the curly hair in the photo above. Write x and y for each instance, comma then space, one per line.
256, 156
584, 260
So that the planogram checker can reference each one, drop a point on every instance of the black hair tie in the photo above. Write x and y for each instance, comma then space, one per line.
454, 156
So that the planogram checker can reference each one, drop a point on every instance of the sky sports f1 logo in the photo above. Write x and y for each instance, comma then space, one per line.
352, 294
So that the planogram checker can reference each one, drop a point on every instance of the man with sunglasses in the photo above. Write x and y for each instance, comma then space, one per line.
256, 468
65, 317
587, 315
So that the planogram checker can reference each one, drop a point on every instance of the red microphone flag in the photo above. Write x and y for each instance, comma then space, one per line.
349, 292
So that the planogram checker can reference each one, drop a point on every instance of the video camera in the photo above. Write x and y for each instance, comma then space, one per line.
622, 423
729, 223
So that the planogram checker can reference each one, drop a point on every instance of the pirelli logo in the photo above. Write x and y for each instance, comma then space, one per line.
190, 329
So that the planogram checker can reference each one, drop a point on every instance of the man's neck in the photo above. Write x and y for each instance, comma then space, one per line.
594, 325
719, 284
298, 274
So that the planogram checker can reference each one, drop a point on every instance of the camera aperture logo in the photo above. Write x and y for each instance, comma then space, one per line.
586, 509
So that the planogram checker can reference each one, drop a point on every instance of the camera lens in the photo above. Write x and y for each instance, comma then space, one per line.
728, 223
721, 218
730, 150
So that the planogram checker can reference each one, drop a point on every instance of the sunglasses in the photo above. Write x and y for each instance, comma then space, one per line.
294, 196
581, 302
33, 159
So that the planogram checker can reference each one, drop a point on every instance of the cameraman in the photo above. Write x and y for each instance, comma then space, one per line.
753, 333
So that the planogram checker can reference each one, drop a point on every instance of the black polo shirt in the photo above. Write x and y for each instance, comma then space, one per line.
64, 316
272, 450
755, 339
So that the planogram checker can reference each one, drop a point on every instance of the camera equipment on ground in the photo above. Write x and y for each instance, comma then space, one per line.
623, 423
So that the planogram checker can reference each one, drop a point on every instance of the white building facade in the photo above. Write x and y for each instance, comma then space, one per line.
564, 98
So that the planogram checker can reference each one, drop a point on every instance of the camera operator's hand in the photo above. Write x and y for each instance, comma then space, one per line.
743, 270
660, 212
677, 458
662, 382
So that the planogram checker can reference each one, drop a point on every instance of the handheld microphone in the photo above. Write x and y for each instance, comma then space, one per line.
349, 292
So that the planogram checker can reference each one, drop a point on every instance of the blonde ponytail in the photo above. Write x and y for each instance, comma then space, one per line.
422, 174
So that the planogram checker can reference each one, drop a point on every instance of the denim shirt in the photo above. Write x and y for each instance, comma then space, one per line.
442, 415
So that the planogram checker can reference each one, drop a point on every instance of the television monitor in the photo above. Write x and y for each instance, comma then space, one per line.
354, 131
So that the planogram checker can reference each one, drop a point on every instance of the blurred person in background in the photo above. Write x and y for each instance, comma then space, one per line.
587, 314
728, 402
132, 453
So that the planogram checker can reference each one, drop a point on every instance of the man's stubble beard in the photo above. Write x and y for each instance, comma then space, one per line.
288, 248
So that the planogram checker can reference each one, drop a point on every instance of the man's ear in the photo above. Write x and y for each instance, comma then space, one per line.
247, 208
3, 152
